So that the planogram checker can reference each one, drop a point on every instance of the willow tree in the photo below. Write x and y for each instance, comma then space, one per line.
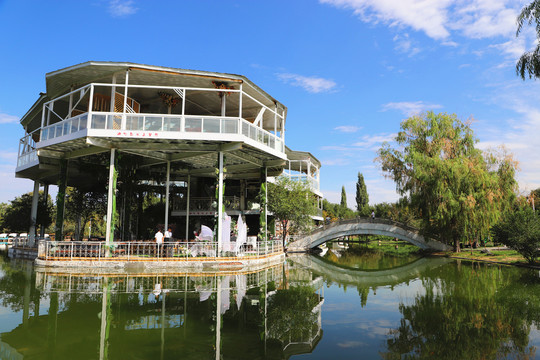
458, 190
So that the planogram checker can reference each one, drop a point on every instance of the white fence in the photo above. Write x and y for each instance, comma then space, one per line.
142, 250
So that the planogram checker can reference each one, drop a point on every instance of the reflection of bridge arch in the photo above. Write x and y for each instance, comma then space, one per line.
369, 278
364, 226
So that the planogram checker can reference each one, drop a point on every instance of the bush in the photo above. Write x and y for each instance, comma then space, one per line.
520, 231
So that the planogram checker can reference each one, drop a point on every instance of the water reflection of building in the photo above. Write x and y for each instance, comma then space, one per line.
208, 315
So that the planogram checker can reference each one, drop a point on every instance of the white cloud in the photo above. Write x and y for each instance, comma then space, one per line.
335, 162
518, 134
347, 128
311, 84
438, 19
429, 16
404, 44
8, 119
122, 8
513, 48
369, 141
409, 108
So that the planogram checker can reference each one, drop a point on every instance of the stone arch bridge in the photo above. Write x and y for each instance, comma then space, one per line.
365, 226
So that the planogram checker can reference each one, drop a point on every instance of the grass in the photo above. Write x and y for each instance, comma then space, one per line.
503, 256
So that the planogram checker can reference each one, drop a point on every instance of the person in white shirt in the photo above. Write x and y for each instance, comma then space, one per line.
168, 234
159, 240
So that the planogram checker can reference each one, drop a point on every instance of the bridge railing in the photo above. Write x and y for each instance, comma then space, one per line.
358, 220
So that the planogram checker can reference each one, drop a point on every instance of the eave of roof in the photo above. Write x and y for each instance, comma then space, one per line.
126, 65
301, 155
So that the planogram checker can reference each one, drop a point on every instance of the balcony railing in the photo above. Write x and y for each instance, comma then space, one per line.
313, 182
27, 151
135, 124
142, 250
66, 127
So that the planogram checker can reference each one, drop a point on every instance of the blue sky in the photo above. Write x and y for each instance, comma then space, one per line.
349, 71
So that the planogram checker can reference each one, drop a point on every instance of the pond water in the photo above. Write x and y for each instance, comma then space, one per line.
308, 307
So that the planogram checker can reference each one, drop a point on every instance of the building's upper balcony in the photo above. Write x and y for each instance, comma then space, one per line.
115, 102
302, 166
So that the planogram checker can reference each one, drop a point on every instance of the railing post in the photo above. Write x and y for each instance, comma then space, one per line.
71, 252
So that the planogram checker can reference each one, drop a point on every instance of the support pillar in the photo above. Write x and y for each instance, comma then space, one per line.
266, 203
187, 206
220, 201
111, 200
46, 197
60, 201
33, 215
263, 207
168, 183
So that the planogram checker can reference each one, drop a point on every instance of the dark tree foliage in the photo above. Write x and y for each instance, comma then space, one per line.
362, 196
343, 201
528, 64
291, 202
17, 214
520, 230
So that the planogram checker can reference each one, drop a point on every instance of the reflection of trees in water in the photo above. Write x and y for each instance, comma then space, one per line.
467, 312
291, 316
364, 258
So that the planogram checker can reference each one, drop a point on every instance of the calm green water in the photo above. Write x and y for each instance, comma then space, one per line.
309, 307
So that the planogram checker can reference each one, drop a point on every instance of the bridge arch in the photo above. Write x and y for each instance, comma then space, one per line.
366, 226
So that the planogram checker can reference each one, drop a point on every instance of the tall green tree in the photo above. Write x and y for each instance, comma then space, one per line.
81, 206
291, 202
520, 230
528, 64
459, 191
362, 196
343, 201
17, 214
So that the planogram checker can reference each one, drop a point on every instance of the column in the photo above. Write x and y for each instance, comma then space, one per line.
33, 215
187, 206
46, 197
111, 200
265, 203
220, 200
60, 201
167, 184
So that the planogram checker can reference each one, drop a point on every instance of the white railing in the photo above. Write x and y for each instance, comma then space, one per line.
137, 124
144, 250
127, 283
27, 150
27, 158
63, 128
312, 182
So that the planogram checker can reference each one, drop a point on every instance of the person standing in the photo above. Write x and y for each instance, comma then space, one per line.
159, 240
168, 234
372, 215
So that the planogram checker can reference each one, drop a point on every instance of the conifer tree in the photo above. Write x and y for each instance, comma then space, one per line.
362, 196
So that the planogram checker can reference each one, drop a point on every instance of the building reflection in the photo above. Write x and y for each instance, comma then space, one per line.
233, 315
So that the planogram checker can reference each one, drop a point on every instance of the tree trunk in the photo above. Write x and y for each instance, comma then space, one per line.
457, 248
284, 231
